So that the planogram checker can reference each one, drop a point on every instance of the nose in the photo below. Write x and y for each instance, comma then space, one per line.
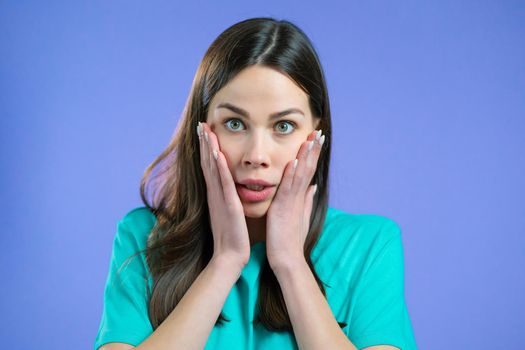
256, 150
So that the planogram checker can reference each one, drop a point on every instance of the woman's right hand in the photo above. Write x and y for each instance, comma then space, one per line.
230, 233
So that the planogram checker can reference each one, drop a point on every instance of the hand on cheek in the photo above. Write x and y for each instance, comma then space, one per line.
288, 218
230, 237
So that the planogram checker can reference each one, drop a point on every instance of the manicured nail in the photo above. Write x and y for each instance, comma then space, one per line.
318, 135
295, 163
206, 136
215, 154
199, 130
315, 188
310, 145
321, 141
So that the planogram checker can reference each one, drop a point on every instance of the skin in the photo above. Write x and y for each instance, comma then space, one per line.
257, 146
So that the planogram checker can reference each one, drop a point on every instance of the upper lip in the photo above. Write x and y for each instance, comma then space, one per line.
255, 182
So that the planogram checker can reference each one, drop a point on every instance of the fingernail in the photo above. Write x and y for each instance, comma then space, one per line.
310, 145
322, 140
315, 188
206, 136
199, 129
318, 135
215, 154
295, 163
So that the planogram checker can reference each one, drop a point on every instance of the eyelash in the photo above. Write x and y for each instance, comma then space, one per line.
280, 121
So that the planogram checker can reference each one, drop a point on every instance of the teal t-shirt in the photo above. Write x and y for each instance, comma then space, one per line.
359, 257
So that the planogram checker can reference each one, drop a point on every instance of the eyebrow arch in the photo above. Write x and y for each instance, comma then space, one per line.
242, 112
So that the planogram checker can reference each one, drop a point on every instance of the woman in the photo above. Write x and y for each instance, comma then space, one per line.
241, 248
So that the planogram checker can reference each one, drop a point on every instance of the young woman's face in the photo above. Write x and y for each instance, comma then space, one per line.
257, 146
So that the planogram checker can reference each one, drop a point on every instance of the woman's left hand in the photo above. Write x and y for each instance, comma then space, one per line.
288, 218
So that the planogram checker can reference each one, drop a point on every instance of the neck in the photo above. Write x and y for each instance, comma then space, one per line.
256, 229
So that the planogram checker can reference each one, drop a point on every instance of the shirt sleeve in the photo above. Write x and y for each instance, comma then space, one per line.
380, 315
125, 311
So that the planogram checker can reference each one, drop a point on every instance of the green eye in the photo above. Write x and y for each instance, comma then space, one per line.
234, 122
285, 123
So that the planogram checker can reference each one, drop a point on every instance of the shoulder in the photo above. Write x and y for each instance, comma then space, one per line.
369, 227
139, 218
134, 228
349, 237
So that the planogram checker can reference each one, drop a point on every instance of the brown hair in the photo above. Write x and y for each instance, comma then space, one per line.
180, 244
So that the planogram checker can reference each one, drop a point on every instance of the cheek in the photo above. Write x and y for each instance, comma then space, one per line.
230, 151
287, 156
293, 151
224, 145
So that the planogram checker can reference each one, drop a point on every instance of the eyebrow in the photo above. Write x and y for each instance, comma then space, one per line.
242, 112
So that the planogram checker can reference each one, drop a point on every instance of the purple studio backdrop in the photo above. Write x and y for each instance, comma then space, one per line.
428, 102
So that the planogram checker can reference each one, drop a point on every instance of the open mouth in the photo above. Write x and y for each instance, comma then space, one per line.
254, 188
254, 193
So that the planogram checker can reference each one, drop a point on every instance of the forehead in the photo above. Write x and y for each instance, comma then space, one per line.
262, 88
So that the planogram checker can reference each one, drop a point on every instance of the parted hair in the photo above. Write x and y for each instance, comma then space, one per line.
173, 187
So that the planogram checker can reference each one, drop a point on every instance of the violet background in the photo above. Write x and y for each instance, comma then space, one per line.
428, 108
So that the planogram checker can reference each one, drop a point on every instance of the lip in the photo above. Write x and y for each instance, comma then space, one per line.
254, 196
260, 182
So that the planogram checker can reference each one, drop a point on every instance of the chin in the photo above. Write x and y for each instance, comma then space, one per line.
255, 210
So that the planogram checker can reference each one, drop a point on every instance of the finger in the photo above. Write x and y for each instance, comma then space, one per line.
286, 182
303, 173
313, 156
309, 200
227, 182
204, 156
213, 145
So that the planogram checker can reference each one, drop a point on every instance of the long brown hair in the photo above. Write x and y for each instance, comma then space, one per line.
180, 245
